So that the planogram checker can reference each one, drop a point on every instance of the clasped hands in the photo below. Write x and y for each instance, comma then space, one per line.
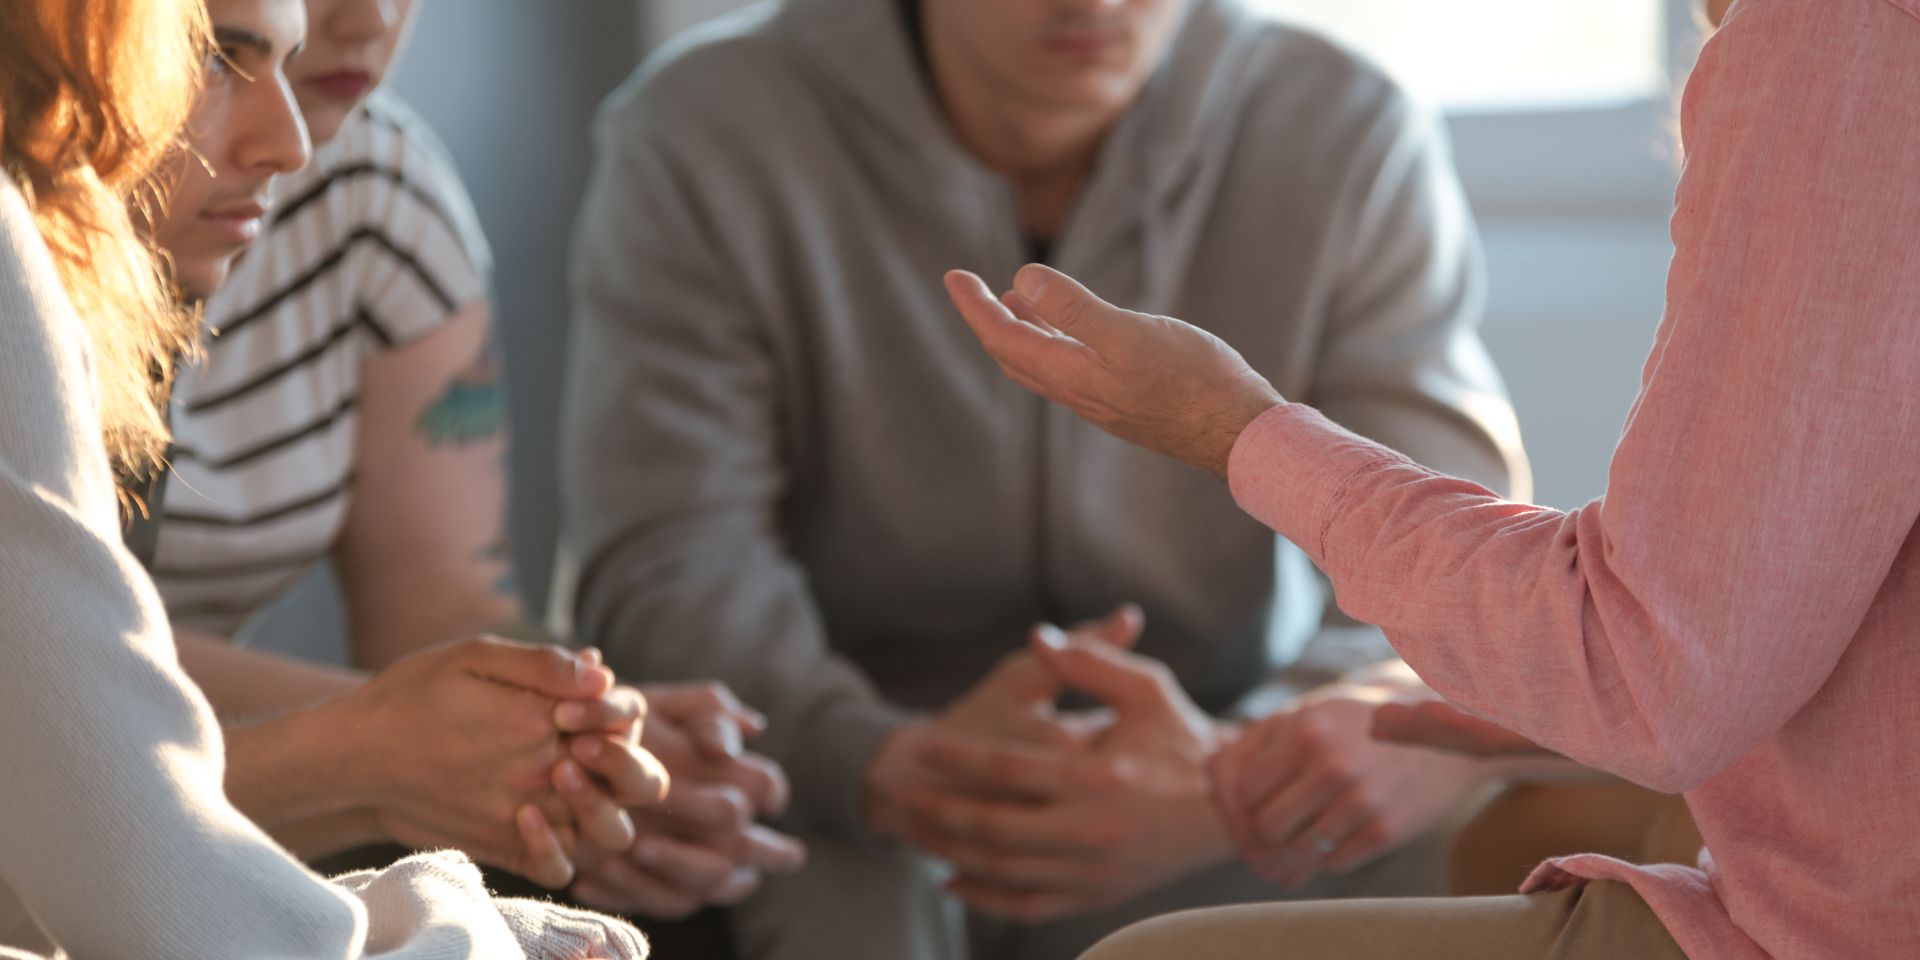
535, 759
1045, 814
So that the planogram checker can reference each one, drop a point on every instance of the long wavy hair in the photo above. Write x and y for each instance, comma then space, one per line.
93, 95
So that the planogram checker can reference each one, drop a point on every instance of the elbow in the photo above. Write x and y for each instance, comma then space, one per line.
1676, 772
1687, 748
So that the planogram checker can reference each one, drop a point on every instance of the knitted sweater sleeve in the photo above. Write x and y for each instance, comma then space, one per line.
119, 841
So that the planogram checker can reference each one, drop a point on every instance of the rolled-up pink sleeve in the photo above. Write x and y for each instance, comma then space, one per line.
1769, 473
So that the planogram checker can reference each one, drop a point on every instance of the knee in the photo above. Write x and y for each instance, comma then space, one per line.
1157, 938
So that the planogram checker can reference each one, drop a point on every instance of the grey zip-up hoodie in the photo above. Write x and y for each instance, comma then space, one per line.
788, 465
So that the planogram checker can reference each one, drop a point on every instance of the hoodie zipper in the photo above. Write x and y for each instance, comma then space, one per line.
1040, 535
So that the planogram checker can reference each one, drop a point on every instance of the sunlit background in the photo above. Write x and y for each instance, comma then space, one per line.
1502, 54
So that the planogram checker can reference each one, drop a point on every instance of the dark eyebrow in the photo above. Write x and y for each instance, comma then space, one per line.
239, 37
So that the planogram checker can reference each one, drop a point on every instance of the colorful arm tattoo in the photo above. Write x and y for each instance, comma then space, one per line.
473, 408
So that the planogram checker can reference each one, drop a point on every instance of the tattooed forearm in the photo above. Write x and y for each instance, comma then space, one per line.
472, 409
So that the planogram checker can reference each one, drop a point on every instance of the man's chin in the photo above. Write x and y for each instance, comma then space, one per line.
1102, 92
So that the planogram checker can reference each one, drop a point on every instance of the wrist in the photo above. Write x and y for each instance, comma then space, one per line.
308, 763
327, 835
882, 779
1247, 405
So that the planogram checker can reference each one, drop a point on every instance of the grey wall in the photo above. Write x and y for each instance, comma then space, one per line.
510, 85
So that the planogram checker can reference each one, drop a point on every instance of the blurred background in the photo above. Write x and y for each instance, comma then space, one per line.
1563, 124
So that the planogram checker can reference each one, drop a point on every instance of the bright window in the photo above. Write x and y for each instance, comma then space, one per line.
1494, 54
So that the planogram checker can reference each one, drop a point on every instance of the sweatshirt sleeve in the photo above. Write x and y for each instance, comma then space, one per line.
119, 841
1764, 486
672, 472
1402, 361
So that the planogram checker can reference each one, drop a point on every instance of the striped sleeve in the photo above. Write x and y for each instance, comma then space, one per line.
419, 255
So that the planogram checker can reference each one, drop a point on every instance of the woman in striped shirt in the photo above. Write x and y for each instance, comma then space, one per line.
349, 410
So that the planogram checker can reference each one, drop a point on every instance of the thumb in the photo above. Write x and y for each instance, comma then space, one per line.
1024, 677
549, 670
1121, 628
1065, 305
1123, 680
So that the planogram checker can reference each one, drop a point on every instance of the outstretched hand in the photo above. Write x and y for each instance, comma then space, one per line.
1154, 381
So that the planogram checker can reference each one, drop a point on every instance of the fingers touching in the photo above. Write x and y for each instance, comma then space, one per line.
546, 862
1104, 671
619, 710
711, 715
546, 669
1120, 629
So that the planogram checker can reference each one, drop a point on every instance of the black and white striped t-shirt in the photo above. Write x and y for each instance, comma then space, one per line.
372, 245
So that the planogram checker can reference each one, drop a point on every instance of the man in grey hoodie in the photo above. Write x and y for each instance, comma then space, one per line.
787, 465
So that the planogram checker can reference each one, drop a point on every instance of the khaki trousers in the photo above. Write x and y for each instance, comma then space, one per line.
1600, 921
863, 904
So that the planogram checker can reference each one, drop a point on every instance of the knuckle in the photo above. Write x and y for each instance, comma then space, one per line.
760, 779
499, 812
1340, 770
738, 891
1274, 824
1371, 801
485, 641
555, 659
527, 781
1160, 673
1109, 774
1004, 767
1374, 835
733, 849
531, 723
629, 702
732, 807
1317, 727
1070, 311
1108, 832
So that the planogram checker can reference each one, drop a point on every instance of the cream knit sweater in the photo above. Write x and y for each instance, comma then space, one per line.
115, 837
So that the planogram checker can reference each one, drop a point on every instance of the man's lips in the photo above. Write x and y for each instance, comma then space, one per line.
1085, 42
237, 223
342, 84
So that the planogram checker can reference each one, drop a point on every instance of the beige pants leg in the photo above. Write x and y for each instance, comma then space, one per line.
1601, 921
1415, 870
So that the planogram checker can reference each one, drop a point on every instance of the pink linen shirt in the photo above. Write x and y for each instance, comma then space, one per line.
1738, 618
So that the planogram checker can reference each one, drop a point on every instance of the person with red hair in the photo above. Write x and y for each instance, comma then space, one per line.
118, 840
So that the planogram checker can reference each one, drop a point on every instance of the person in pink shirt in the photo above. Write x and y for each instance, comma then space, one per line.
1733, 620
